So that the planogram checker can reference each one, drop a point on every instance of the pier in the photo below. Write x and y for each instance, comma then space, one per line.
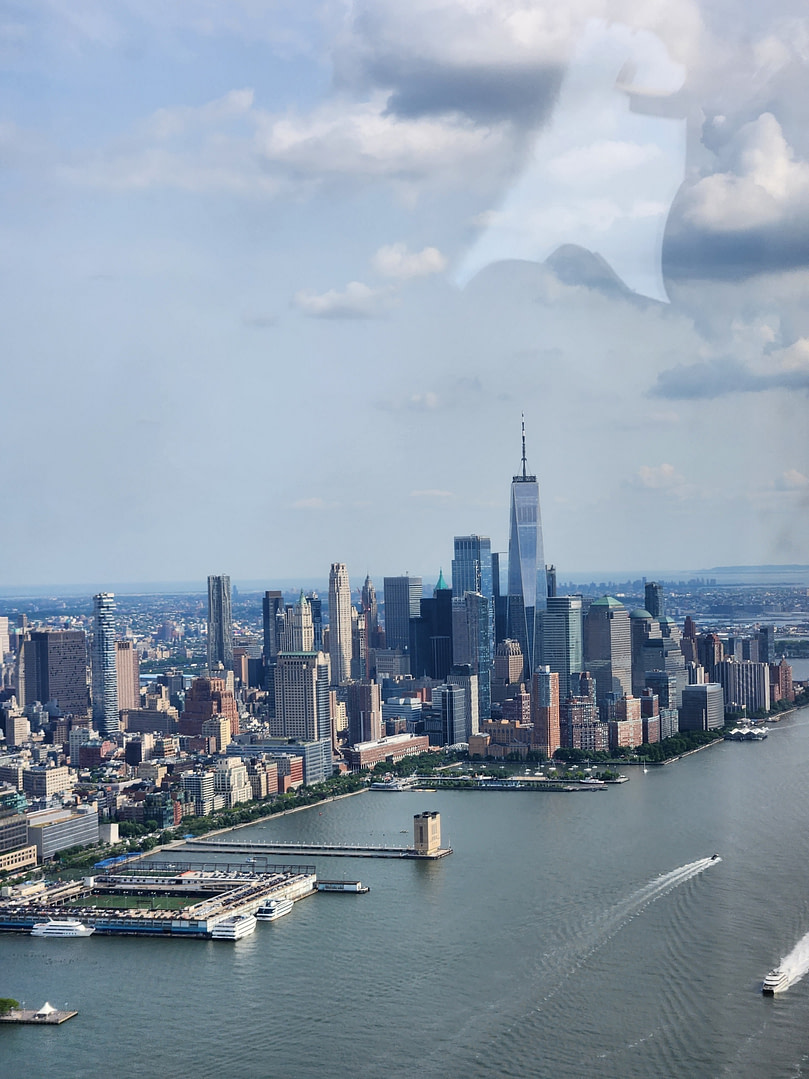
328, 850
47, 1015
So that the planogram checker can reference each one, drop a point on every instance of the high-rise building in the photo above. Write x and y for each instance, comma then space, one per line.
703, 707
103, 664
453, 714
316, 606
527, 580
472, 565
562, 649
302, 697
208, 698
545, 711
52, 667
127, 668
607, 648
299, 630
463, 675
745, 684
272, 608
472, 642
339, 623
220, 624
364, 711
431, 634
653, 600
402, 597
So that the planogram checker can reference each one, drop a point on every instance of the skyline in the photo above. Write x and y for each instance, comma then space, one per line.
304, 269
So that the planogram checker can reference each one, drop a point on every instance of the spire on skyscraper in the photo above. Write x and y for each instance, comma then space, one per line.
527, 579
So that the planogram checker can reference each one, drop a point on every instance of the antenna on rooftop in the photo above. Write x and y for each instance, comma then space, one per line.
522, 414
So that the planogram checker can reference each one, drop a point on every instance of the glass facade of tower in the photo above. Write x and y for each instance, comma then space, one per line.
105, 673
472, 565
527, 580
220, 624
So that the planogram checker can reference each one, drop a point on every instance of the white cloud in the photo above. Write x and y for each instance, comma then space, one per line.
605, 157
763, 184
663, 477
394, 260
355, 301
432, 493
792, 480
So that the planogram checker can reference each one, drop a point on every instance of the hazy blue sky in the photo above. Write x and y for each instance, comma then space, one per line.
278, 280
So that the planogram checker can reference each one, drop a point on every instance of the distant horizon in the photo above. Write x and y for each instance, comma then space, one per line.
248, 584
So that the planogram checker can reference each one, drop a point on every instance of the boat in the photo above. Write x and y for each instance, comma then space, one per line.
775, 981
62, 927
234, 928
275, 908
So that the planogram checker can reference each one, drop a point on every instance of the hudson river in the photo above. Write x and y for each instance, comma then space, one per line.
568, 935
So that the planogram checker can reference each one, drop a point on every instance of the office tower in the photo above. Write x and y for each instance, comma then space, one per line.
5, 642
220, 624
527, 581
103, 656
607, 648
550, 572
710, 651
402, 597
272, 606
316, 607
464, 676
52, 667
299, 630
208, 698
509, 665
500, 601
703, 708
453, 714
545, 711
745, 684
766, 644
472, 642
370, 608
472, 565
364, 710
302, 697
561, 628
127, 670
431, 634
653, 599
339, 623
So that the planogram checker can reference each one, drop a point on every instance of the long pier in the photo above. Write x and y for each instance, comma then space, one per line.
327, 850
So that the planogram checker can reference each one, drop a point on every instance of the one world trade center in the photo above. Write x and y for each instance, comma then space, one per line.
527, 581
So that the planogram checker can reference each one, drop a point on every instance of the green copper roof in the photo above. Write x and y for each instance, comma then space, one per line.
441, 582
607, 601
639, 612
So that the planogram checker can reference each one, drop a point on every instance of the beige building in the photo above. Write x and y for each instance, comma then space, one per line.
339, 623
232, 781
127, 666
427, 832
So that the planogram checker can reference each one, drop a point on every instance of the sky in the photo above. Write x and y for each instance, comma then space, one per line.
279, 280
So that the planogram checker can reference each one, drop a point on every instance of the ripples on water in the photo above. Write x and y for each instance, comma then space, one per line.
557, 941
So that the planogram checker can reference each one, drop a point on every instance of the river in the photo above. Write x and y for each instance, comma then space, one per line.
569, 934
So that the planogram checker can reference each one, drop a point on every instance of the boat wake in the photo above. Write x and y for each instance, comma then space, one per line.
796, 964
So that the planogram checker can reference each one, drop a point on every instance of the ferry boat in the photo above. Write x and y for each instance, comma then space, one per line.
62, 927
234, 928
775, 981
275, 908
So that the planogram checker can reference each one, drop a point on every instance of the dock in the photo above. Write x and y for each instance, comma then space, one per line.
327, 850
46, 1015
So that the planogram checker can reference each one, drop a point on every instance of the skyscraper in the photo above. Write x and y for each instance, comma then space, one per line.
527, 580
607, 648
472, 642
220, 624
103, 665
52, 666
402, 597
561, 628
653, 600
472, 565
339, 623
299, 630
302, 697
127, 665
545, 711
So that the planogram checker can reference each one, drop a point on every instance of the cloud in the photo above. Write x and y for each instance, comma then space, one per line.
663, 477
231, 144
355, 301
792, 480
312, 504
432, 493
719, 377
395, 260
748, 217
763, 185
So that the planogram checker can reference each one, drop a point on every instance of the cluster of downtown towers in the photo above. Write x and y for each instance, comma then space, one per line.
452, 642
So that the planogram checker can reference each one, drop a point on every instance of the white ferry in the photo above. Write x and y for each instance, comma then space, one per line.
62, 927
275, 908
234, 928
775, 981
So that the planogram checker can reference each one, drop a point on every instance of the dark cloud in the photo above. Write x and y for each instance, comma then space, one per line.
718, 378
690, 252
